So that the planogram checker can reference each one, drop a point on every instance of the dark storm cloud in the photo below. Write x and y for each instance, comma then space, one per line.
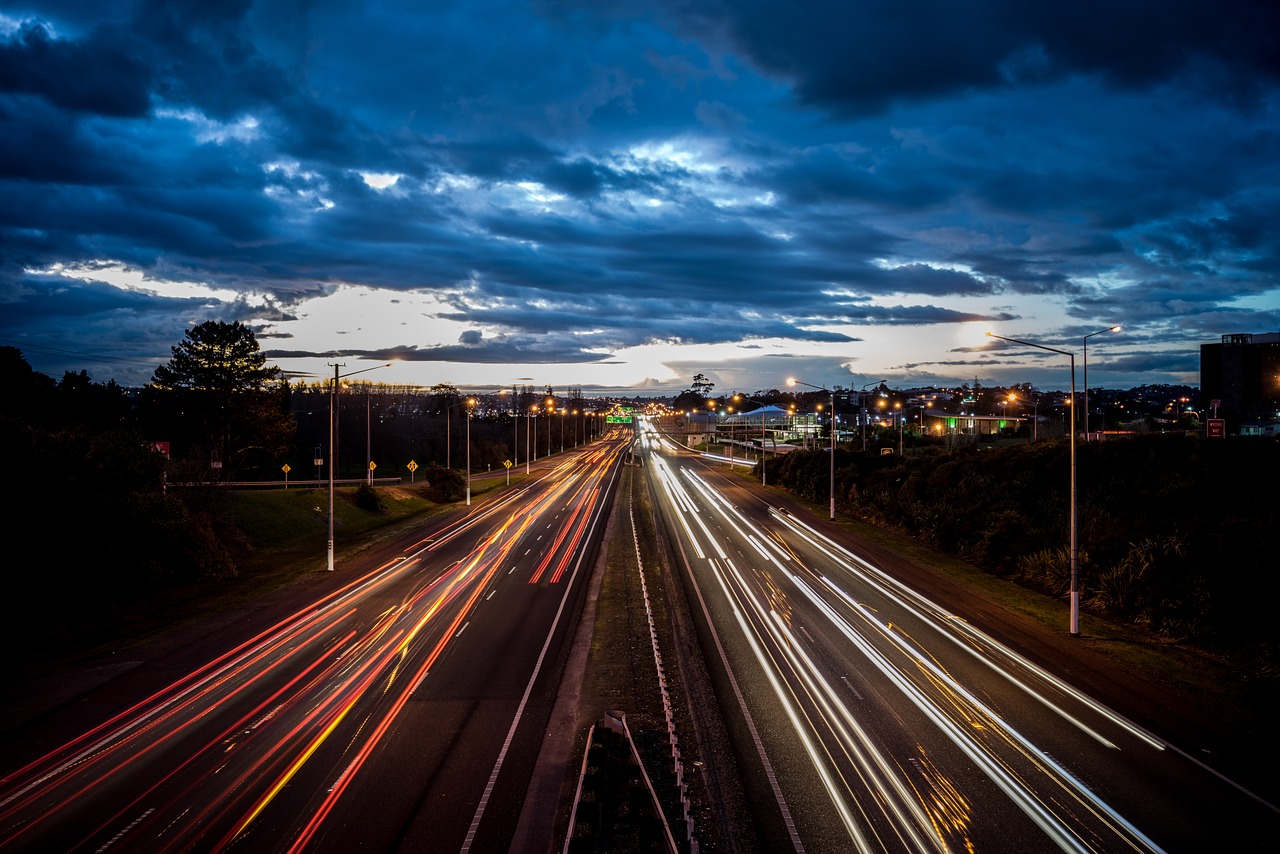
865, 56
100, 74
477, 351
683, 173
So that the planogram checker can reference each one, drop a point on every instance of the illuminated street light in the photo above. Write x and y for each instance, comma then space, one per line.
862, 403
1075, 578
831, 489
1086, 374
533, 410
551, 410
333, 451
470, 403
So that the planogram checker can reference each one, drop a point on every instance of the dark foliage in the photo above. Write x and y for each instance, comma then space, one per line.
1175, 533
368, 499
85, 474
445, 484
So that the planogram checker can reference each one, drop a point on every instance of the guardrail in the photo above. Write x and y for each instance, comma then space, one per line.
310, 483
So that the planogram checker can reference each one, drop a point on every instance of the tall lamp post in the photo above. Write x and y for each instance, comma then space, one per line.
515, 433
333, 451
1115, 328
551, 410
527, 445
764, 437
470, 402
897, 406
1075, 576
831, 488
515, 439
862, 403
448, 430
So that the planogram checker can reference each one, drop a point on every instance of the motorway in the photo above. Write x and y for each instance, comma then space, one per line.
868, 718
403, 710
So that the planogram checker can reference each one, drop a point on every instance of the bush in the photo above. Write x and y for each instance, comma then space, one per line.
368, 499
444, 484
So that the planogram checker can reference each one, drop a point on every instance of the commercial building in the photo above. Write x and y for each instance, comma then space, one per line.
1241, 373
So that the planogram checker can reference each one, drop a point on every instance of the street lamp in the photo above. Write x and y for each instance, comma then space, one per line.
527, 453
333, 451
368, 436
831, 488
764, 438
898, 407
448, 430
728, 414
1086, 374
515, 436
551, 410
862, 403
470, 402
1075, 577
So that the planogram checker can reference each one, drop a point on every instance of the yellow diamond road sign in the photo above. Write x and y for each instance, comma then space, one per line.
413, 466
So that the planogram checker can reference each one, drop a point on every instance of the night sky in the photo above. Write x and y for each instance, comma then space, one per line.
620, 195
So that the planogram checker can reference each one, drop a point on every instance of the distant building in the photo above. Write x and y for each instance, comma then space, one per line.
1260, 428
1242, 372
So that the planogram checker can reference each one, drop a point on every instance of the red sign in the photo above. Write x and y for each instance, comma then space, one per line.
161, 447
1215, 428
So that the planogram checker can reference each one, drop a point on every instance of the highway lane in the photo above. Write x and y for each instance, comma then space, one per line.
873, 719
402, 711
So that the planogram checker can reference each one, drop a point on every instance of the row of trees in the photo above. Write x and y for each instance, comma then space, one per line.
217, 411
221, 413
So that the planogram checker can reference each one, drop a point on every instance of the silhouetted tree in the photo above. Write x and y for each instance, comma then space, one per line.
218, 382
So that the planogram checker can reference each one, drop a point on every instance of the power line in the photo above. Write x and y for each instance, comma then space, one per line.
27, 346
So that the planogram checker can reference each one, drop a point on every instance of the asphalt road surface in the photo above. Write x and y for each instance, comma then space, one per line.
403, 710
869, 718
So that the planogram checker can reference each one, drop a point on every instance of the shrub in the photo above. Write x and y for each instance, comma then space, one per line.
368, 499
